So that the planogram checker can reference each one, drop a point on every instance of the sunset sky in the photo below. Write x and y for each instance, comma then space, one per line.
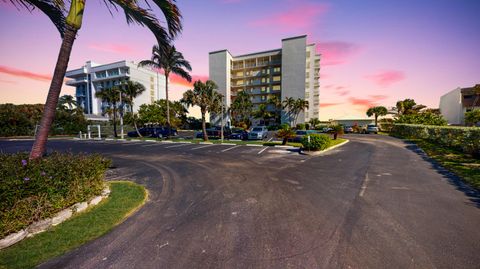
374, 52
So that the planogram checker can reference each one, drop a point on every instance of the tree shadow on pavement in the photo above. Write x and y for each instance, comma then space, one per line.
472, 194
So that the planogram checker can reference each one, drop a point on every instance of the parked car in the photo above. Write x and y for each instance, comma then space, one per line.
299, 134
258, 132
239, 134
326, 130
157, 132
371, 128
348, 129
215, 132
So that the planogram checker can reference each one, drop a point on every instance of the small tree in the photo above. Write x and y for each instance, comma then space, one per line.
472, 117
314, 122
336, 131
132, 90
377, 111
285, 133
110, 96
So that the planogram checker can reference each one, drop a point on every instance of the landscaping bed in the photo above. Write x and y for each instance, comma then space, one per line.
36, 190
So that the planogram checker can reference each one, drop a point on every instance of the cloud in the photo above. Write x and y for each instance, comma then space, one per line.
112, 48
7, 81
302, 15
24, 74
337, 52
386, 78
372, 100
329, 104
176, 79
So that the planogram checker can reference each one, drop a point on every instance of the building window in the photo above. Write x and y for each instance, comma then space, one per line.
276, 78
276, 87
276, 69
264, 98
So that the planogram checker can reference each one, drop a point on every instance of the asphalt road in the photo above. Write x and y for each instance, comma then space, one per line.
375, 202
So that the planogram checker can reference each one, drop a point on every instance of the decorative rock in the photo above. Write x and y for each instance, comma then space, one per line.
79, 207
106, 192
13, 238
95, 201
39, 226
61, 216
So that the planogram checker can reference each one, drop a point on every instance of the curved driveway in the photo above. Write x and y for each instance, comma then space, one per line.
375, 202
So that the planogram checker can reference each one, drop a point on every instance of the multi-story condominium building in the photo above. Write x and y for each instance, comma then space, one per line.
455, 103
93, 77
291, 71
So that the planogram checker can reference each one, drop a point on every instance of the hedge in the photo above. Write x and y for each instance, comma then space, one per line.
465, 139
316, 141
38, 189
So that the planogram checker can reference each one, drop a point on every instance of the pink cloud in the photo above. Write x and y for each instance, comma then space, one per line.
329, 104
336, 52
7, 81
176, 79
386, 78
364, 103
112, 48
24, 74
302, 15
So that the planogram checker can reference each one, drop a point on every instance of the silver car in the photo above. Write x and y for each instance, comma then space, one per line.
371, 128
258, 132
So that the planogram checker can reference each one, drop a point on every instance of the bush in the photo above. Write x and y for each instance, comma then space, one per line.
472, 117
300, 126
317, 141
465, 139
426, 118
272, 127
35, 190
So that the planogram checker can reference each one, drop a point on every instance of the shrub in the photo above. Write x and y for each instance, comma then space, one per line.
465, 139
35, 190
317, 141
300, 126
285, 134
272, 127
426, 118
472, 117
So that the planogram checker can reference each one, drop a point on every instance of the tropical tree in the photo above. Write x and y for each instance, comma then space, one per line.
66, 102
300, 106
476, 92
285, 133
277, 104
131, 90
241, 108
111, 97
289, 106
205, 96
171, 61
472, 117
155, 113
377, 111
425, 118
262, 113
68, 24
314, 122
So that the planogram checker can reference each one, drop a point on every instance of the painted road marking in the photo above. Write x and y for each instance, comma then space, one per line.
364, 185
202, 147
260, 152
230, 148
175, 146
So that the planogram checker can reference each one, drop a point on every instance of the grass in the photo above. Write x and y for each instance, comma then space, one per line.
336, 141
463, 165
124, 199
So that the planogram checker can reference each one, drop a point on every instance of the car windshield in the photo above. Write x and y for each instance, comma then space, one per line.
257, 129
371, 125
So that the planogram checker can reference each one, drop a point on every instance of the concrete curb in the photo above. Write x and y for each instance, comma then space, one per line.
315, 153
45, 224
254, 145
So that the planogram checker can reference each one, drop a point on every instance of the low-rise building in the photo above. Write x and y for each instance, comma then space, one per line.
93, 77
454, 104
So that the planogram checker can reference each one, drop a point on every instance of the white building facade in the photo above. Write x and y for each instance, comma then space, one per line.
93, 77
454, 104
291, 71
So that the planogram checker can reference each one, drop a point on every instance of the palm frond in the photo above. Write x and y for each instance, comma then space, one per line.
184, 74
172, 15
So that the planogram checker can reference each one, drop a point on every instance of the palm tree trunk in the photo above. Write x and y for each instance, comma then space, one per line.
204, 127
115, 119
376, 117
38, 148
134, 121
168, 104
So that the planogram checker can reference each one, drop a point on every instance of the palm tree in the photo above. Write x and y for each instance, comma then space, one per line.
300, 105
314, 122
131, 90
262, 113
69, 25
171, 61
66, 102
206, 97
277, 104
111, 96
289, 107
377, 111
241, 107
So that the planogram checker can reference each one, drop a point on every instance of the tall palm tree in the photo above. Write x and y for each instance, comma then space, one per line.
241, 107
131, 90
262, 113
377, 111
205, 96
300, 105
171, 61
289, 107
111, 96
68, 24
277, 104
314, 122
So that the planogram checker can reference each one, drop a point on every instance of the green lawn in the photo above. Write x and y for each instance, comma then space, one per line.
463, 165
124, 199
336, 141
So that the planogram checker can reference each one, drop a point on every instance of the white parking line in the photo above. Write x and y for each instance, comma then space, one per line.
230, 148
364, 185
209, 145
179, 145
260, 152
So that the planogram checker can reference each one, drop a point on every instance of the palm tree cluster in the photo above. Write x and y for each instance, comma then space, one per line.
69, 23
293, 107
205, 96
241, 109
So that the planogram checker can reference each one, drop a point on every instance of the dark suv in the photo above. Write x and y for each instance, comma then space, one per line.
215, 132
157, 132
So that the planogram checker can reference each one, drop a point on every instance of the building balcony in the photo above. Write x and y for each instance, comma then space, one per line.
118, 76
74, 82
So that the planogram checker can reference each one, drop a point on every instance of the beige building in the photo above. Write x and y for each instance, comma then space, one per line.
291, 71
